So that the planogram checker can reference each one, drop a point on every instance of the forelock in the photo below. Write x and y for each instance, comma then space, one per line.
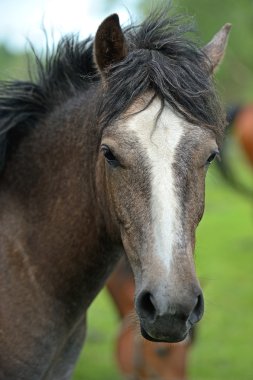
164, 57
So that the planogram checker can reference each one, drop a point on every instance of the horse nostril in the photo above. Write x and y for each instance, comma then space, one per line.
198, 310
145, 306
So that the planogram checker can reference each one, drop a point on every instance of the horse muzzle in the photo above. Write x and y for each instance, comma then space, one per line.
164, 321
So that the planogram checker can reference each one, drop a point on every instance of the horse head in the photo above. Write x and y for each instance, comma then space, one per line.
161, 127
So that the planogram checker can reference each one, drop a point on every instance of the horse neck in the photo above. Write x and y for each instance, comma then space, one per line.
51, 180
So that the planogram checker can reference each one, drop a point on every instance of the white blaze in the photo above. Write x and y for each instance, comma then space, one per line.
160, 142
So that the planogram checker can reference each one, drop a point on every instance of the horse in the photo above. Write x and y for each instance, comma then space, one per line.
104, 151
139, 358
240, 126
244, 130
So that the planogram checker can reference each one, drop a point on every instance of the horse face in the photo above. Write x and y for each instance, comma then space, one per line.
155, 174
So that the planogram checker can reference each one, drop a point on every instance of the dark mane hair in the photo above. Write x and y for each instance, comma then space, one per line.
162, 57
59, 75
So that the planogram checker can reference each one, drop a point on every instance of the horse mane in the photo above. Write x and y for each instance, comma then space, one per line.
163, 56
60, 74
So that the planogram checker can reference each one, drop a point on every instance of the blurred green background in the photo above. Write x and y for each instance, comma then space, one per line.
224, 254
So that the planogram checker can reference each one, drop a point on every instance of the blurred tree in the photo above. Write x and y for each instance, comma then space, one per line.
12, 65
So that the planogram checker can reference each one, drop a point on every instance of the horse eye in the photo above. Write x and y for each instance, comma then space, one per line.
109, 156
211, 157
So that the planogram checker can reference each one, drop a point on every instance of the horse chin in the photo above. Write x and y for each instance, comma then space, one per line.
165, 339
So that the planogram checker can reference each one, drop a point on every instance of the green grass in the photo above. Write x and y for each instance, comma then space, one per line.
224, 260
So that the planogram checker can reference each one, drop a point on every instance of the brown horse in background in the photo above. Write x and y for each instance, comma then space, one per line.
240, 127
243, 129
107, 150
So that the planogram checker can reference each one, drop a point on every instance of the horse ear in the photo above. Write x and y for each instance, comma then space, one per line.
110, 44
215, 49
